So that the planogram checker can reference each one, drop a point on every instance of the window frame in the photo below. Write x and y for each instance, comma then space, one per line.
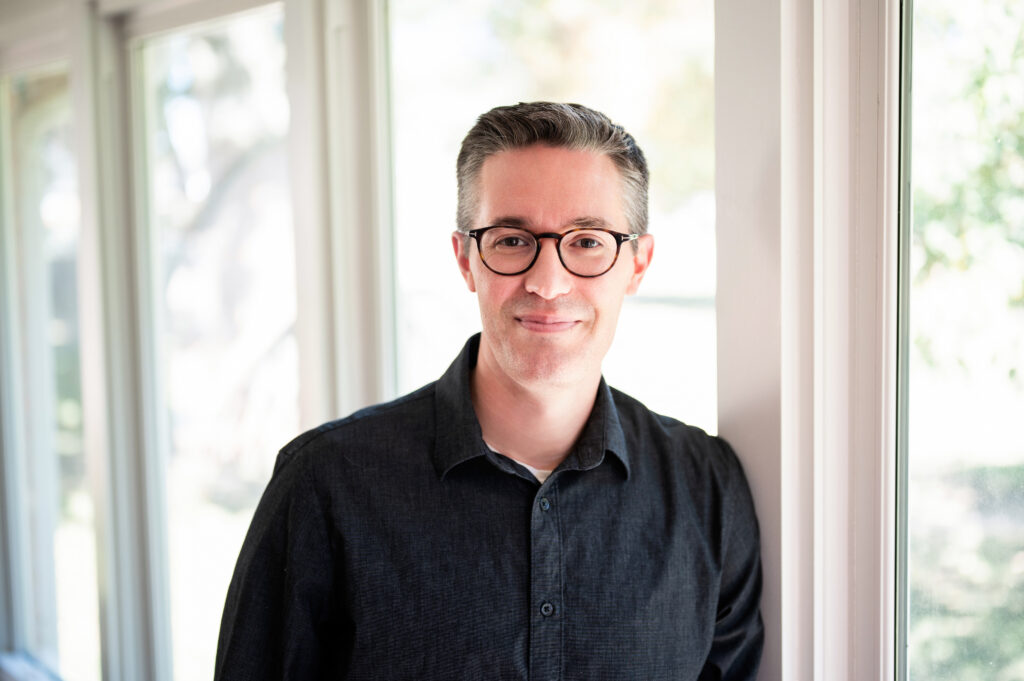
807, 153
902, 548
13, 606
27, 579
116, 424
807, 158
37, 581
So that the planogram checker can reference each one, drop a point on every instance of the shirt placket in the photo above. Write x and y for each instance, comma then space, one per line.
546, 602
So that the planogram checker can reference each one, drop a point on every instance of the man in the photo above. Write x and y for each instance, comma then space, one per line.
517, 519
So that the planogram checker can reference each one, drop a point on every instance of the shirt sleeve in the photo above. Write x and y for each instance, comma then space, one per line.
739, 632
280, 621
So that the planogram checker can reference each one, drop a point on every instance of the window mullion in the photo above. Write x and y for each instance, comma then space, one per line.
119, 428
360, 200
749, 194
806, 227
901, 586
340, 162
856, 320
39, 460
307, 158
15, 590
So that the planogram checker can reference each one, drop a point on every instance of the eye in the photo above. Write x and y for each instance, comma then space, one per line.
588, 241
510, 241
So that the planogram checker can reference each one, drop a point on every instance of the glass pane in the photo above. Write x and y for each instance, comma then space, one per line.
220, 213
966, 392
649, 65
47, 214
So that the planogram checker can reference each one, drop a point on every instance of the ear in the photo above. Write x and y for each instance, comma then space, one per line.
641, 261
462, 247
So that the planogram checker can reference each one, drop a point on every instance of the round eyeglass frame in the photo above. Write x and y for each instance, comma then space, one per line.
619, 237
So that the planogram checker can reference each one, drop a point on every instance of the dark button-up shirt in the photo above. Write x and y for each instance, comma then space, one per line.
394, 544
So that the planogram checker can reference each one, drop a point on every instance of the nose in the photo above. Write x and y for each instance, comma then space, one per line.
548, 278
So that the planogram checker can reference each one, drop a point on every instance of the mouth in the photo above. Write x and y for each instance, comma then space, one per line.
545, 324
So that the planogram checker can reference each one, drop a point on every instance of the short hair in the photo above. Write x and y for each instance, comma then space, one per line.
571, 126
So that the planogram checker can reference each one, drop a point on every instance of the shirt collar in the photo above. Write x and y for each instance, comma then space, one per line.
460, 439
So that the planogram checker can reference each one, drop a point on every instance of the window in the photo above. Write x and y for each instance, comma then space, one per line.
647, 65
966, 343
216, 122
59, 570
798, 89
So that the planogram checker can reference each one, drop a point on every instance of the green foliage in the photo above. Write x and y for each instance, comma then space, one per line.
998, 491
988, 193
967, 595
967, 313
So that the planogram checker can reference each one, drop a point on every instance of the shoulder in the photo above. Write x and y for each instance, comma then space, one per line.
685, 462
380, 426
670, 444
664, 431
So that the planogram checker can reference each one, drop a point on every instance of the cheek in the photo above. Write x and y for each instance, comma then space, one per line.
608, 313
608, 299
493, 293
608, 310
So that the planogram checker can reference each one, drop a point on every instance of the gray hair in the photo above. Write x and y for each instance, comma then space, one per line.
571, 126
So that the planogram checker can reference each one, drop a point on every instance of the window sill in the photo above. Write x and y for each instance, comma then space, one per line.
21, 667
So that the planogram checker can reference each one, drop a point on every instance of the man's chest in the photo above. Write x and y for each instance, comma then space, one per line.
491, 577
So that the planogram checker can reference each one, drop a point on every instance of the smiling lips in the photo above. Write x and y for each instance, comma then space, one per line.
546, 324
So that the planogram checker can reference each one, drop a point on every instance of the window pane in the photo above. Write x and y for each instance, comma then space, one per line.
63, 531
649, 66
217, 119
966, 392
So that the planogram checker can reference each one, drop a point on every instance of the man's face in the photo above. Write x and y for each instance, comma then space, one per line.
548, 326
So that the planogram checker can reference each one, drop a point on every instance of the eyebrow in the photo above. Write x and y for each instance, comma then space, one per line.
584, 222
591, 223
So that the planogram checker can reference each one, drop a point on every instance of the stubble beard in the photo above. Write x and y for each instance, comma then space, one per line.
558, 360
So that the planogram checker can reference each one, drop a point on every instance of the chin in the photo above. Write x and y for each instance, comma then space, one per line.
546, 367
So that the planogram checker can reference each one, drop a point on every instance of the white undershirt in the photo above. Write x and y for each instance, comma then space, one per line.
538, 473
541, 475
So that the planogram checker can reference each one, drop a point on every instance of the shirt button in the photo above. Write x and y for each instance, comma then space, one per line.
545, 505
547, 609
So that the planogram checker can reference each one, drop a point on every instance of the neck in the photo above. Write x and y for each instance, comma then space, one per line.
537, 424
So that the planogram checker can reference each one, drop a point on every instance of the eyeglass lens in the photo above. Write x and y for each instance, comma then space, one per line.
586, 252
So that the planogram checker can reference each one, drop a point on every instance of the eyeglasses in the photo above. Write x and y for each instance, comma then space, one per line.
585, 252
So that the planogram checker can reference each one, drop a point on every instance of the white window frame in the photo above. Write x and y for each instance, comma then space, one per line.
807, 123
14, 605
30, 42
38, 473
340, 149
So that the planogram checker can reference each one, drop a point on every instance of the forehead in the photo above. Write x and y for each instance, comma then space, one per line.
550, 187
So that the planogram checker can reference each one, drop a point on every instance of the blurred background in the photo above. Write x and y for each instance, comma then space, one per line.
213, 198
966, 390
